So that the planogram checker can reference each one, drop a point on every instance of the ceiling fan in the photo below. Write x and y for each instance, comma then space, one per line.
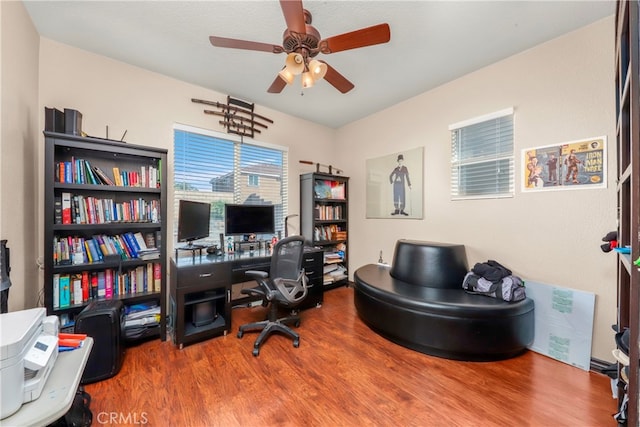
302, 43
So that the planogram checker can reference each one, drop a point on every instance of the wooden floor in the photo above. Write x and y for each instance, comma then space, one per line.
343, 374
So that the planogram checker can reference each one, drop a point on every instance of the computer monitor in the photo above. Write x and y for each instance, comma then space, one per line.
193, 221
248, 219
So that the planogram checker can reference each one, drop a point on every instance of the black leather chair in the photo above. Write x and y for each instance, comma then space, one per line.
285, 286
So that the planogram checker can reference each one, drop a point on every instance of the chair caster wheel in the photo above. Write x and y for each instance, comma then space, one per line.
296, 343
240, 334
256, 352
297, 324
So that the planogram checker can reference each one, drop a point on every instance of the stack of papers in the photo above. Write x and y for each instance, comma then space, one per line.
142, 315
332, 275
332, 257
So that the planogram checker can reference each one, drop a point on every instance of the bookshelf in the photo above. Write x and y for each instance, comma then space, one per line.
104, 225
627, 95
324, 220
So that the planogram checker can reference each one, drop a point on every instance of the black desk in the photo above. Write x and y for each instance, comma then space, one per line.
208, 285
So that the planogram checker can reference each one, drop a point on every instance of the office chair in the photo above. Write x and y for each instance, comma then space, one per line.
284, 286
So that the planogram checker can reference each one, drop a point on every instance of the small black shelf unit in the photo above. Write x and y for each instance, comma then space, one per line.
324, 220
70, 166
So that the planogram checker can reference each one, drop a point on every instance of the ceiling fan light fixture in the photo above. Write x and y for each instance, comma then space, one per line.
318, 69
294, 63
286, 75
301, 42
307, 79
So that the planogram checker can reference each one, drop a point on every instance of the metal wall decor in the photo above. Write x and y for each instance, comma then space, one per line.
331, 169
238, 116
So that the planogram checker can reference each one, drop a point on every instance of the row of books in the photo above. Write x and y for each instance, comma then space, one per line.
79, 288
327, 232
148, 177
80, 171
80, 209
328, 212
79, 250
325, 189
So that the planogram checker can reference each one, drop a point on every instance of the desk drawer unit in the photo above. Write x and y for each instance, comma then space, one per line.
240, 268
313, 265
240, 279
200, 304
204, 274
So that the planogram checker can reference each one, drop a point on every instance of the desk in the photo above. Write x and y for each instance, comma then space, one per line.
58, 392
202, 286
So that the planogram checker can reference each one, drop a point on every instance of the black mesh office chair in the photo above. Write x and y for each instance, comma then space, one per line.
284, 286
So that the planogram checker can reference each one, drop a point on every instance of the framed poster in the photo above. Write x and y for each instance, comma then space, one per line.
570, 165
395, 185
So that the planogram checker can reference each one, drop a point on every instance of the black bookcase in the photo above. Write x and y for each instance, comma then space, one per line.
627, 91
324, 221
102, 192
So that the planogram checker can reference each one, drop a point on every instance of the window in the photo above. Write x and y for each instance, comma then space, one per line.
253, 181
482, 157
213, 167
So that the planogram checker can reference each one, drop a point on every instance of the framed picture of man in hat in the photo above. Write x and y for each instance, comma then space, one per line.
394, 185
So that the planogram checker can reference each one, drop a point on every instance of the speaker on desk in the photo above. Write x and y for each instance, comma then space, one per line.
104, 322
221, 243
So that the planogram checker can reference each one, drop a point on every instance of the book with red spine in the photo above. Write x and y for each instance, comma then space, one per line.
94, 284
66, 208
85, 286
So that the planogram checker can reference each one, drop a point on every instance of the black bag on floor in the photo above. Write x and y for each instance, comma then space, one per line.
79, 415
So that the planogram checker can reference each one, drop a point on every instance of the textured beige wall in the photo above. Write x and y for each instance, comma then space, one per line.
561, 91
18, 161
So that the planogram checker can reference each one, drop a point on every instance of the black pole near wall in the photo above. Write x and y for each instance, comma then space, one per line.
5, 281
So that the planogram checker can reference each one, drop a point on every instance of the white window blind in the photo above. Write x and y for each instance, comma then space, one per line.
482, 160
210, 167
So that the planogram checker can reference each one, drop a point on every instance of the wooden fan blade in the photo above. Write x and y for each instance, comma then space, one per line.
337, 80
294, 15
376, 34
244, 44
277, 85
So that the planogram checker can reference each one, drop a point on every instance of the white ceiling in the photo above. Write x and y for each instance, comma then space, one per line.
432, 42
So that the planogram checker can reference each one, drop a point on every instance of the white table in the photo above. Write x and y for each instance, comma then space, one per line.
59, 390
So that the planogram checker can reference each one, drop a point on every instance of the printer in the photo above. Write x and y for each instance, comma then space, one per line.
28, 351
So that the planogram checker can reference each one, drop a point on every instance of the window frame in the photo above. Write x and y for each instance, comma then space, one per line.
253, 180
458, 165
237, 171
